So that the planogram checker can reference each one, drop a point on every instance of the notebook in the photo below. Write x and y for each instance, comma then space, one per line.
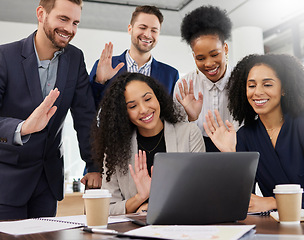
200, 188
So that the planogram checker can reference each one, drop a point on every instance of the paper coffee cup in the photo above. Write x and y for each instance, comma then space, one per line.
96, 202
289, 202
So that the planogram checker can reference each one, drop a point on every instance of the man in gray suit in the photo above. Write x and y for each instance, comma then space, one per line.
32, 114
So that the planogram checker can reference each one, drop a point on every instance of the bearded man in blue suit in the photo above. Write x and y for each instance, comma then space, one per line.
144, 29
41, 78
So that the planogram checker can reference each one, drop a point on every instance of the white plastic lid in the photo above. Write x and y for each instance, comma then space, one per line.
96, 193
287, 189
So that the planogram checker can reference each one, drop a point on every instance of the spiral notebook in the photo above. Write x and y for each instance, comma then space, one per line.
37, 225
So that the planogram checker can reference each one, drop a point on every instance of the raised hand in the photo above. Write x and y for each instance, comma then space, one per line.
141, 176
41, 115
223, 137
192, 106
104, 70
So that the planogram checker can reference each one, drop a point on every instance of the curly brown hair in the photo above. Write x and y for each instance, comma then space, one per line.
112, 130
288, 69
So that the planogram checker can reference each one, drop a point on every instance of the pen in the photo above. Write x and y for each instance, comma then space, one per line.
118, 234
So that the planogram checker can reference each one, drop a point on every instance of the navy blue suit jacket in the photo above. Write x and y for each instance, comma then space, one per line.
164, 73
20, 94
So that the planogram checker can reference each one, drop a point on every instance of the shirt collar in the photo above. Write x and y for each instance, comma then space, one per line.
130, 61
221, 84
43, 63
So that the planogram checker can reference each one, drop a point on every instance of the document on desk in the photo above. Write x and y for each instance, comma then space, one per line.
206, 232
49, 224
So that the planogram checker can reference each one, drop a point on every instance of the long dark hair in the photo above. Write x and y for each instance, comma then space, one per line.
113, 130
287, 68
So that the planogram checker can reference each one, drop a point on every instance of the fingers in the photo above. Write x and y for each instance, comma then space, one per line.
218, 118
178, 98
132, 171
185, 86
136, 164
181, 90
207, 130
50, 99
190, 86
229, 125
200, 96
107, 52
140, 162
51, 112
144, 160
210, 122
92, 180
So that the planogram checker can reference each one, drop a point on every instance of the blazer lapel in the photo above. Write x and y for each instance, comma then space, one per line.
62, 75
170, 137
154, 69
30, 67
132, 186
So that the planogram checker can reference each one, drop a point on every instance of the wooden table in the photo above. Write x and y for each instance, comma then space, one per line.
264, 225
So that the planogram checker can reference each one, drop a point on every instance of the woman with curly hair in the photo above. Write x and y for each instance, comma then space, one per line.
206, 30
266, 94
137, 118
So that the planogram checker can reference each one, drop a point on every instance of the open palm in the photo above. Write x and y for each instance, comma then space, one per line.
192, 106
104, 70
223, 137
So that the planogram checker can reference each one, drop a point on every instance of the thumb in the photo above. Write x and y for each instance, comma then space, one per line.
230, 126
118, 67
151, 171
200, 97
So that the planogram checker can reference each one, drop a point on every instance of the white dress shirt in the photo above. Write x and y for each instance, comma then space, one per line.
214, 96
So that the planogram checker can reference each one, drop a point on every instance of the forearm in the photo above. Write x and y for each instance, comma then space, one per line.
134, 203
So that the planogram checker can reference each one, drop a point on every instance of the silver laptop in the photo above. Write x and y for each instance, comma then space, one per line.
201, 188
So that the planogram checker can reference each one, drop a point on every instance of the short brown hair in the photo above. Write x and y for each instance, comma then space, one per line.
48, 5
149, 10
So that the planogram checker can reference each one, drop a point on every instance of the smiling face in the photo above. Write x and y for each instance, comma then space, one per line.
143, 108
264, 90
60, 24
210, 56
144, 32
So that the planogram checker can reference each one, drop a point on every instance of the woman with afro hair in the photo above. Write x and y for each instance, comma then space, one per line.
206, 30
265, 93
136, 119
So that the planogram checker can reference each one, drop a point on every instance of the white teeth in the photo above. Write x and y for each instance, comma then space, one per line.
64, 36
146, 41
147, 118
260, 101
212, 71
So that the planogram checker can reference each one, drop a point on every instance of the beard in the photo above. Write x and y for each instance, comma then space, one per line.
51, 35
143, 49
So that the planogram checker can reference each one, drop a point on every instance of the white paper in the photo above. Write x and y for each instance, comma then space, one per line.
206, 232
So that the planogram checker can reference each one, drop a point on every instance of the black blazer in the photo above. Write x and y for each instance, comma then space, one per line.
20, 94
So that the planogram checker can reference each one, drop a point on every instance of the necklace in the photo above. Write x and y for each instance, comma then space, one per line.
272, 129
149, 151
271, 135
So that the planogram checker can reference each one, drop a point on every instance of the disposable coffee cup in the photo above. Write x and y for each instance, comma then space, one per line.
289, 202
96, 202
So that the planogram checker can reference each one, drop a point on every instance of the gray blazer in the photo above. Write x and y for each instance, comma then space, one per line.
179, 137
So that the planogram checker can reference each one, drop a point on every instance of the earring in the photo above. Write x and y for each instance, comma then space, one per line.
227, 58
